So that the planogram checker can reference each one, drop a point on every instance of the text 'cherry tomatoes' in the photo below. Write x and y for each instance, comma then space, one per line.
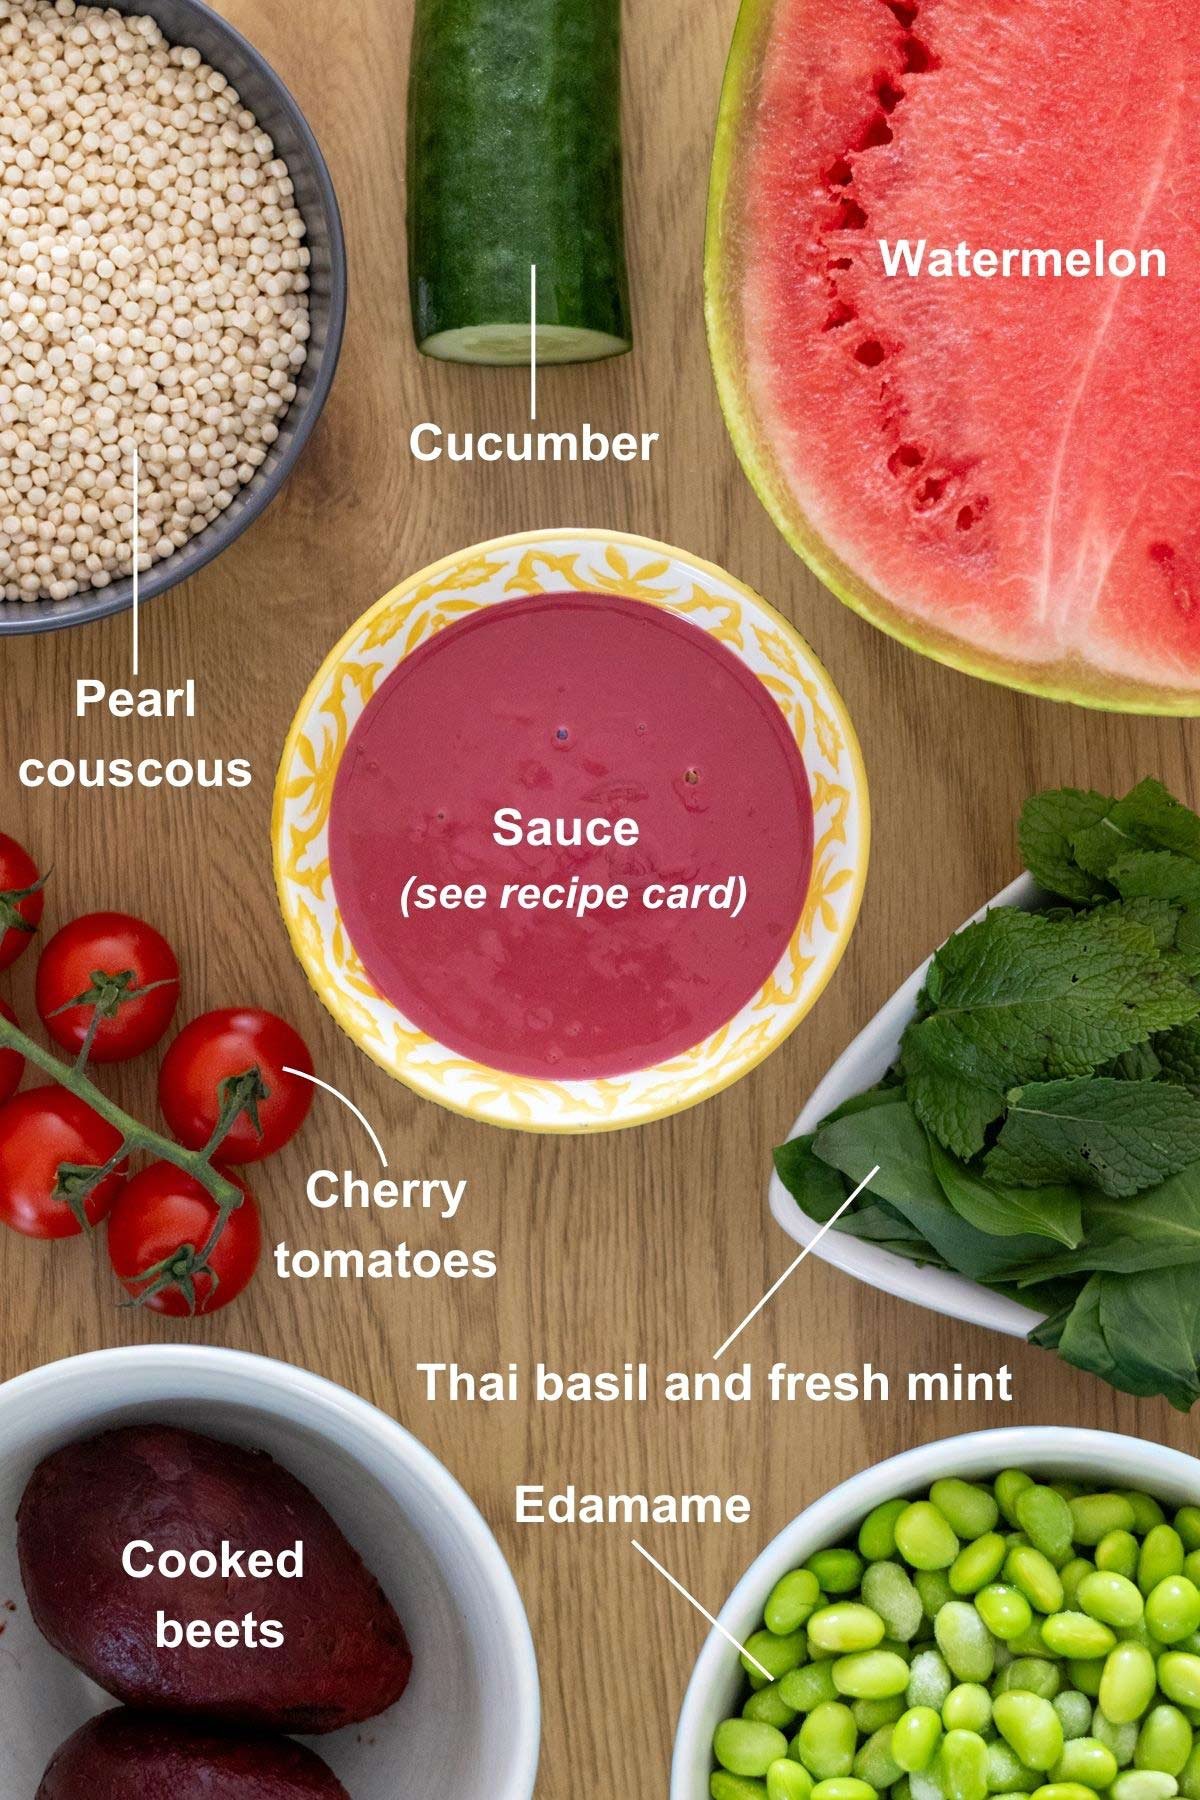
215, 1052
47, 1139
12, 1063
21, 899
122, 964
158, 1230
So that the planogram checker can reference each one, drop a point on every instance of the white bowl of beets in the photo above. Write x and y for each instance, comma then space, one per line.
1082, 1463
467, 1726
1030, 1102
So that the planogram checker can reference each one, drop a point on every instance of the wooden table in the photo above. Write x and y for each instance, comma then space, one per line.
647, 1245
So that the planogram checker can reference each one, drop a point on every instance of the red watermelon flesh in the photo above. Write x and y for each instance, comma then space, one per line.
1003, 472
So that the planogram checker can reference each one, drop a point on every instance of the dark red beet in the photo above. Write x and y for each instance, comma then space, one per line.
152, 1756
345, 1657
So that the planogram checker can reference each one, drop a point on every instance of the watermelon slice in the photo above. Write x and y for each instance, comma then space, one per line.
1004, 472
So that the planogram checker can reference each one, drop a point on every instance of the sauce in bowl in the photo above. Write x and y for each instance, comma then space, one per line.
611, 720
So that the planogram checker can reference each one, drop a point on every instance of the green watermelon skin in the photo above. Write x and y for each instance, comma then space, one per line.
1002, 473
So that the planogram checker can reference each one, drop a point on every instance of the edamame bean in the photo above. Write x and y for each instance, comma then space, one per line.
929, 1680
1164, 1742
810, 1687
1147, 1513
1075, 1714
778, 1655
1006, 1772
845, 1627
1189, 1781
1008, 1488
971, 1510
1075, 1635
964, 1641
827, 1741
768, 1707
1030, 1675
875, 1763
745, 1747
933, 1585
924, 1536
873, 1715
1087, 1676
1071, 1575
843, 1787
735, 1787
1094, 1516
791, 1602
978, 1563
968, 1707
1063, 1790
1179, 1677
1118, 1552
1120, 1739
916, 1738
1004, 1610
1173, 1609
1046, 1519
877, 1533
838, 1571
1161, 1555
888, 1590
871, 1674
1087, 1761
1127, 1684
1187, 1524
1112, 1598
1027, 1568
962, 1766
788, 1780
1031, 1727
1143, 1784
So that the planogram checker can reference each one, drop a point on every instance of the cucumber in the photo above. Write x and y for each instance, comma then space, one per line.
514, 159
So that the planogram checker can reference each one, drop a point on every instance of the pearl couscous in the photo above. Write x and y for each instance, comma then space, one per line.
153, 295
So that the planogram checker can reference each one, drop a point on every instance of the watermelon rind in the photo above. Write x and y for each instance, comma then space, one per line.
1071, 680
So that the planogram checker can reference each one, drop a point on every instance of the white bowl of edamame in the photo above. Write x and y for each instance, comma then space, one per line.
950, 1554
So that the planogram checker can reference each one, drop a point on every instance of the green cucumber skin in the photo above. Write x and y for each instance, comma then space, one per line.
514, 158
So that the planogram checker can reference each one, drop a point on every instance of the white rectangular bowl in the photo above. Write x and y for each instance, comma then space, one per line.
866, 1062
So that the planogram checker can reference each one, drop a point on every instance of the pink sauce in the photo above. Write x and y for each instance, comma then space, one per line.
573, 706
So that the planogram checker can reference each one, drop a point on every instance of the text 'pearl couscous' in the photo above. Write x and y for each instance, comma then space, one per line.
153, 295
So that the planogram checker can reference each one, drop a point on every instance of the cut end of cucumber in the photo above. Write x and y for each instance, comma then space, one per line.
511, 346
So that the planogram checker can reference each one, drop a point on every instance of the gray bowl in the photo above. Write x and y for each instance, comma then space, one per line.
191, 22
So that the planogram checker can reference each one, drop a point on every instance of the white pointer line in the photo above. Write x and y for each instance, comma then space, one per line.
533, 340
704, 1613
137, 544
788, 1273
338, 1095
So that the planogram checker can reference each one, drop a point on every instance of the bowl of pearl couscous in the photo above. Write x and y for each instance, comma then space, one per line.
172, 298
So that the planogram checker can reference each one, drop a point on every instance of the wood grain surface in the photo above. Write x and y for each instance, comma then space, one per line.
650, 1244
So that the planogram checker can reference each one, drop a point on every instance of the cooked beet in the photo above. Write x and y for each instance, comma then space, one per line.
121, 1754
344, 1655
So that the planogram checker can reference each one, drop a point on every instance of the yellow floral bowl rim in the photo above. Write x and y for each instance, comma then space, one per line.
545, 562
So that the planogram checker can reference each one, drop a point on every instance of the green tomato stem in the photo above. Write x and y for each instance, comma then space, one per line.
226, 1195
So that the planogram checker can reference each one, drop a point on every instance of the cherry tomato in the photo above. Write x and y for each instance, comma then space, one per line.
159, 1226
108, 957
12, 1063
21, 899
215, 1052
42, 1131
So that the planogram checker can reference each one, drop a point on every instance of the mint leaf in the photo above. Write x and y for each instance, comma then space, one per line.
1151, 1328
1178, 1054
1018, 998
1151, 815
1120, 1136
1049, 822
1159, 919
1157, 875
1051, 1212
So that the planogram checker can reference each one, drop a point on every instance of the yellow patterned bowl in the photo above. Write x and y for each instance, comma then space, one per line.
547, 562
